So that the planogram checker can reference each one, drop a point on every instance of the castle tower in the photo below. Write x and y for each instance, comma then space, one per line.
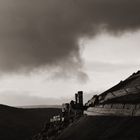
80, 98
76, 98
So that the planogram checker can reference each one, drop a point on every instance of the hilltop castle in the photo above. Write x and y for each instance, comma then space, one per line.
121, 100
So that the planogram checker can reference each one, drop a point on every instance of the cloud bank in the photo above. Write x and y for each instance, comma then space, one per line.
13, 98
45, 33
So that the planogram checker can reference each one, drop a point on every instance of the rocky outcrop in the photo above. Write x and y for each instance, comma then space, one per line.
53, 129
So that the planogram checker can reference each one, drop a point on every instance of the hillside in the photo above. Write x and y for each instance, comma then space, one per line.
103, 128
22, 124
102, 125
111, 115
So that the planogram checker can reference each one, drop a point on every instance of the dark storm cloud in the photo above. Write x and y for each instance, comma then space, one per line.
37, 33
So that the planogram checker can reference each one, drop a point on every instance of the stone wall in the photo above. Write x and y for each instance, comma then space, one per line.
114, 110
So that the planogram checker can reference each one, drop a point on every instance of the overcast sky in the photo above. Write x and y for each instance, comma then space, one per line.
50, 49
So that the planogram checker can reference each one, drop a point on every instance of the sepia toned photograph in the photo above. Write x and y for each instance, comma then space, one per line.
69, 69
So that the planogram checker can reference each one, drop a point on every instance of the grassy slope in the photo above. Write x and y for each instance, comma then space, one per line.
103, 128
22, 124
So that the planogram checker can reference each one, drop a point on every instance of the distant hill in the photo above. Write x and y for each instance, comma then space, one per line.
40, 106
22, 124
